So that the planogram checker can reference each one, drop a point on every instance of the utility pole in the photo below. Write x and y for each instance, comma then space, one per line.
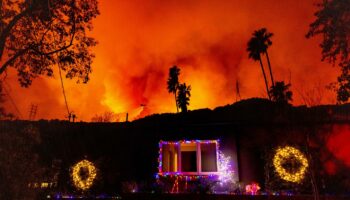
238, 94
32, 111
7, 93
72, 117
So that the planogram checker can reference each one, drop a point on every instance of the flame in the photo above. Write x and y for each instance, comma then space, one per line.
139, 42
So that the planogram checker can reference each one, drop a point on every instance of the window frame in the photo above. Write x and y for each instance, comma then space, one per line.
199, 171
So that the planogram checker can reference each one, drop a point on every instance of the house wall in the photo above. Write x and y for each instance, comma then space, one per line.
125, 152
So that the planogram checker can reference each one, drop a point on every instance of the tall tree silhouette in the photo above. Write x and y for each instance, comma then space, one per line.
36, 35
264, 41
254, 50
173, 82
280, 93
183, 97
332, 23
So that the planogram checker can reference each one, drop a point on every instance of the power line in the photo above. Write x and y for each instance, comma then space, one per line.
64, 93
11, 99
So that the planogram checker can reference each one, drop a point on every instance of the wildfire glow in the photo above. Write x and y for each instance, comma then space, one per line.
139, 41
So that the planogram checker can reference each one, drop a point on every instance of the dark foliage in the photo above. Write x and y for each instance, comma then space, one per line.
37, 35
19, 161
333, 24
260, 42
105, 117
173, 82
280, 93
257, 46
183, 97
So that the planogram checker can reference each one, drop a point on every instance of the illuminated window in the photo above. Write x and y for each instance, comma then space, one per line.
189, 157
195, 157
208, 157
169, 158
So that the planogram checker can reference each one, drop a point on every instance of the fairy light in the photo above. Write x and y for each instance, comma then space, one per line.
186, 177
80, 182
180, 175
282, 155
175, 188
225, 168
252, 189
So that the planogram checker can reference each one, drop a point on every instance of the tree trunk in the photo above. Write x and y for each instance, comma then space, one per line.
312, 170
177, 107
268, 62
266, 83
266, 169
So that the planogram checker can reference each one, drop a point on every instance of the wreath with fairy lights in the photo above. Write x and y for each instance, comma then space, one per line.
83, 174
290, 164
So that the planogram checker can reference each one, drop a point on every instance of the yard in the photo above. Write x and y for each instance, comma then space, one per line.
223, 197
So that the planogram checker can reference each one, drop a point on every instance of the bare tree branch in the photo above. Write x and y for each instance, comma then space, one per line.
48, 29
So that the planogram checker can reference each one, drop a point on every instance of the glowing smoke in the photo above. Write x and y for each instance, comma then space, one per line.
139, 41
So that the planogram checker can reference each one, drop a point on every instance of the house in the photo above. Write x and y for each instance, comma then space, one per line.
191, 144
186, 161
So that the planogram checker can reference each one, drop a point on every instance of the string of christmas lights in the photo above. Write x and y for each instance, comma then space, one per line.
87, 182
282, 155
177, 143
175, 186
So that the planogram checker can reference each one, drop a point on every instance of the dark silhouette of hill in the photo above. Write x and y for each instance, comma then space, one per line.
252, 111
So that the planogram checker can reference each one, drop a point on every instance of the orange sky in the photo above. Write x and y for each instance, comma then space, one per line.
207, 39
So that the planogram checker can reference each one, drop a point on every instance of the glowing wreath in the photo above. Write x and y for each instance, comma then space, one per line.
282, 155
83, 174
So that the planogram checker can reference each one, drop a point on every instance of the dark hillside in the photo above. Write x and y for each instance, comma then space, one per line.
253, 111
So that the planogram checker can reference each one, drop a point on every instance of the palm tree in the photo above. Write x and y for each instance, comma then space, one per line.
263, 37
280, 93
173, 82
254, 51
183, 97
